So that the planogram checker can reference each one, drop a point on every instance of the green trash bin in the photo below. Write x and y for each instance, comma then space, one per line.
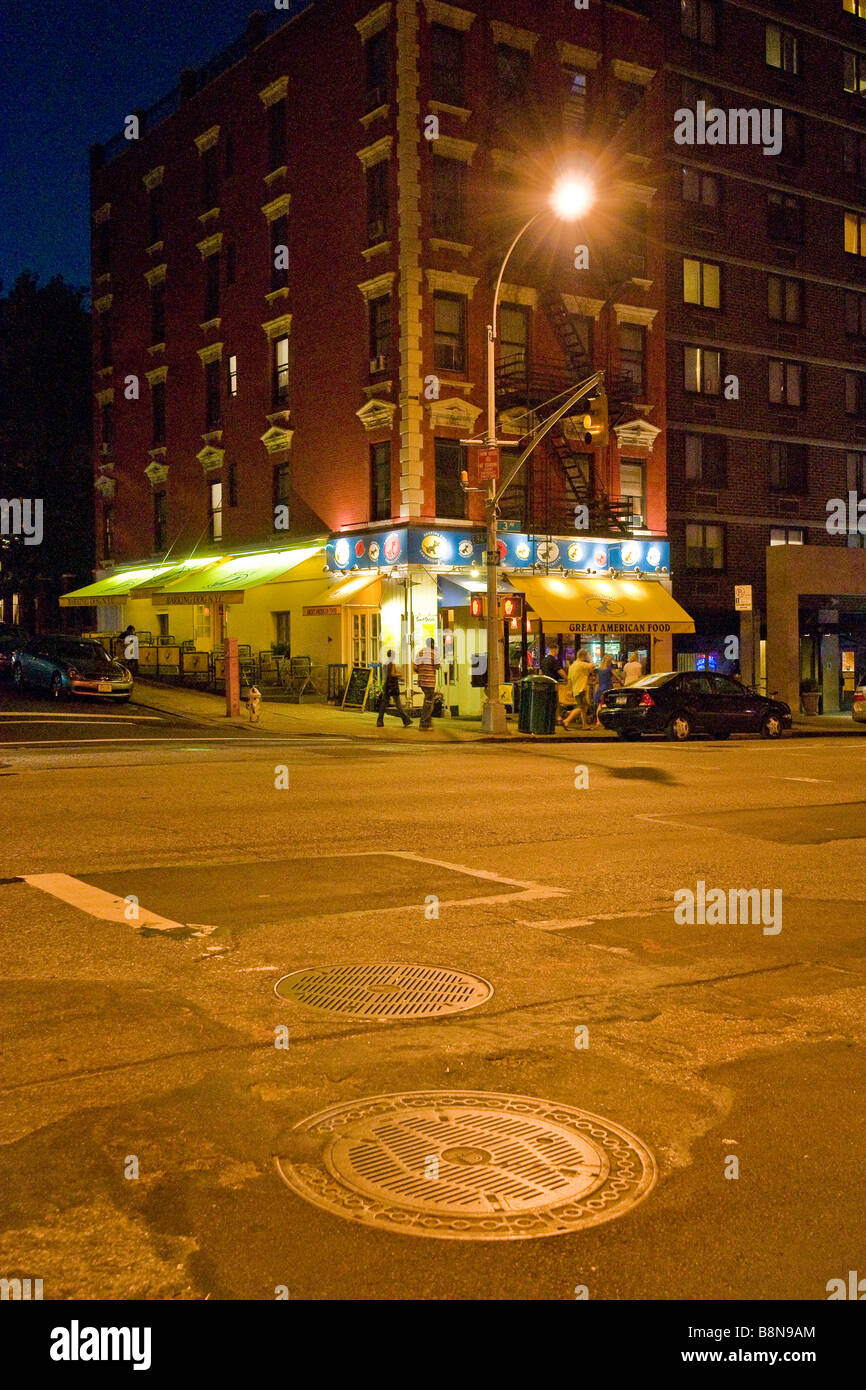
525, 688
543, 704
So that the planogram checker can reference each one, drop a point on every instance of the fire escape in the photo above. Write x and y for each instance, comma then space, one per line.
562, 474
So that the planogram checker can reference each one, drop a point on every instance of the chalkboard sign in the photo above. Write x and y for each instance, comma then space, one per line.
356, 691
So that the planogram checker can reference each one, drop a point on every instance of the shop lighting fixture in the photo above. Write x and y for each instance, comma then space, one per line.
395, 573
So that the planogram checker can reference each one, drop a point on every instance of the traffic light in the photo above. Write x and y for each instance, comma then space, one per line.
594, 422
477, 606
508, 606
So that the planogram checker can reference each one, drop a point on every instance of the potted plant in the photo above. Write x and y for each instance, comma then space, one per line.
810, 694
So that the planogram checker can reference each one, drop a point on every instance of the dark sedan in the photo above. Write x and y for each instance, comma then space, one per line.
70, 666
681, 703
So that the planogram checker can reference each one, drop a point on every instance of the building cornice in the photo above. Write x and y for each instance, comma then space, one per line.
449, 15
278, 328
630, 313
512, 37
212, 353
632, 72
377, 287
452, 148
211, 245
154, 177
278, 207
156, 275
375, 153
371, 24
275, 92
207, 139
451, 282
158, 374
577, 57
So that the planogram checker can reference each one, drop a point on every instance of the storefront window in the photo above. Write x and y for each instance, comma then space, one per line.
366, 637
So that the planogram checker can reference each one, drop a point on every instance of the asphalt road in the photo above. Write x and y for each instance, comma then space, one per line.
146, 1044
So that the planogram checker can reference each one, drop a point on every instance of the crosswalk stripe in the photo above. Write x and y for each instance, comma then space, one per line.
97, 903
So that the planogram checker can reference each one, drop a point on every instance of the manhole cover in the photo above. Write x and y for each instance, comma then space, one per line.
468, 1165
385, 991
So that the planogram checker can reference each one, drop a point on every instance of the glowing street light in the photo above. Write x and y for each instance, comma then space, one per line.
572, 197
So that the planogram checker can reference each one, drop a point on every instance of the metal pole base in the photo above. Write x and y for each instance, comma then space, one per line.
493, 717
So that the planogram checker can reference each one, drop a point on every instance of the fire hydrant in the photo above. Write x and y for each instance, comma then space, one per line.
254, 702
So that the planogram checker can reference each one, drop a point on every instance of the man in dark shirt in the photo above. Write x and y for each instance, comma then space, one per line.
552, 665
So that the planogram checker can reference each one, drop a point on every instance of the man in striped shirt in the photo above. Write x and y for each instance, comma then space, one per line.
426, 666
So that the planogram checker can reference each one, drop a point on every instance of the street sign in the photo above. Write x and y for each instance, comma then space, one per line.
743, 598
488, 463
507, 525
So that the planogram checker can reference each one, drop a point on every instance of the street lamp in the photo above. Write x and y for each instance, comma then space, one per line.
570, 199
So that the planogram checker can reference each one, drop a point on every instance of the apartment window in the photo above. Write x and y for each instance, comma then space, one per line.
212, 395
447, 64
449, 217
787, 535
232, 375
449, 332
231, 264
702, 370
281, 494
701, 190
450, 462
157, 407
855, 394
782, 49
627, 98
856, 466
233, 484
855, 234
514, 338
854, 73
156, 207
702, 283
376, 56
784, 218
108, 531
855, 314
788, 464
692, 92
632, 355
157, 313
159, 521
215, 511
102, 250
108, 424
698, 20
855, 7
280, 373
635, 238
380, 333
380, 482
575, 104
632, 483
512, 75
784, 299
785, 382
705, 546
209, 179
706, 459
280, 252
277, 142
793, 138
377, 203
212, 287
854, 154
105, 350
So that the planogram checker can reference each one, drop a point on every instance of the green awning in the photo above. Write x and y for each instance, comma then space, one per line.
115, 588
228, 579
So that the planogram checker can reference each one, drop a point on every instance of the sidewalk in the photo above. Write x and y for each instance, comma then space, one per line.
318, 720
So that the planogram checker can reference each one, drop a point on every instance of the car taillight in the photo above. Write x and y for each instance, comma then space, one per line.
858, 696
646, 698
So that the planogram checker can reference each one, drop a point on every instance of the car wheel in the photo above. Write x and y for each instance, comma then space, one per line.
771, 726
720, 735
679, 728
18, 680
57, 691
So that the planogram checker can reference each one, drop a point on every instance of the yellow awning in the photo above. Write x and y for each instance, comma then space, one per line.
227, 580
363, 590
115, 588
604, 605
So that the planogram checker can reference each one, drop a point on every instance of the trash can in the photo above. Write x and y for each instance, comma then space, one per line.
523, 708
543, 703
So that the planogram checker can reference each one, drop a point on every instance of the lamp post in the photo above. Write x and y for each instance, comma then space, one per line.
569, 200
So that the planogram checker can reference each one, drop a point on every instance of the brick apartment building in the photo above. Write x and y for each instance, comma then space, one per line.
293, 270
766, 282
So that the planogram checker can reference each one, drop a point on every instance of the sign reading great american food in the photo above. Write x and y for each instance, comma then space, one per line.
602, 625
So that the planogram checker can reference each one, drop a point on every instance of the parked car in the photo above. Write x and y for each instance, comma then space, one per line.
9, 643
70, 666
680, 703
858, 709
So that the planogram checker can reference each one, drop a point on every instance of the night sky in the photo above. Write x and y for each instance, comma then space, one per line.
73, 71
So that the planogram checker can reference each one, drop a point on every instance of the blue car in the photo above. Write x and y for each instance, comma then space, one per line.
66, 666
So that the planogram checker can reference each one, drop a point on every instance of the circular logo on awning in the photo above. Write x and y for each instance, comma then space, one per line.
604, 607
341, 553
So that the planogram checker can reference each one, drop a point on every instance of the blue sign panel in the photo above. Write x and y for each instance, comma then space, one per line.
446, 550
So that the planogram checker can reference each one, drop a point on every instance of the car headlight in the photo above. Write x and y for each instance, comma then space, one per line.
72, 673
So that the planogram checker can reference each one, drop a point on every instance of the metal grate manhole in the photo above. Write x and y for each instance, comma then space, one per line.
385, 991
468, 1165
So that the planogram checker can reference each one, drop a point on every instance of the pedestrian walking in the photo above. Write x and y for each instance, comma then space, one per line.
130, 649
426, 668
390, 693
579, 679
604, 681
633, 670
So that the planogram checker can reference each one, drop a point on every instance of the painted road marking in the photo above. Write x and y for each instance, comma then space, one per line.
43, 717
311, 741
97, 903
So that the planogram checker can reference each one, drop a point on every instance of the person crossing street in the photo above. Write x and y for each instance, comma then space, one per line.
426, 666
